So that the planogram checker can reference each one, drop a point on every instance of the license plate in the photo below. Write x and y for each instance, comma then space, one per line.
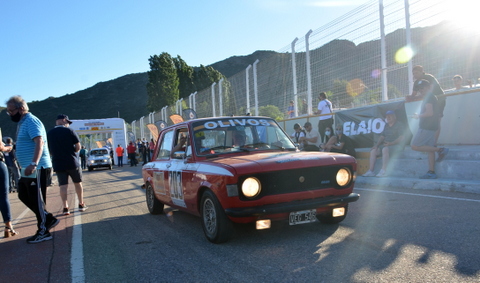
301, 217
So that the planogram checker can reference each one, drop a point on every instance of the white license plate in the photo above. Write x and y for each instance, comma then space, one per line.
301, 217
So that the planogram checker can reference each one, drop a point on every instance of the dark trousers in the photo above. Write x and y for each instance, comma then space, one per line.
32, 192
120, 161
323, 124
133, 161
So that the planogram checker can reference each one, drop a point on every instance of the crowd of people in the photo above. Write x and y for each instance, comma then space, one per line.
391, 141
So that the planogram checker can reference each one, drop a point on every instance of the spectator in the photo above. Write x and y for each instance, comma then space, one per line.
151, 148
424, 140
458, 82
291, 110
4, 186
325, 112
144, 151
311, 141
12, 165
64, 145
297, 134
435, 88
131, 151
340, 143
34, 158
389, 144
329, 133
119, 150
83, 157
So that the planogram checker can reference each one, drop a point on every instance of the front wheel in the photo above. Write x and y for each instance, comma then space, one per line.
153, 204
216, 225
328, 217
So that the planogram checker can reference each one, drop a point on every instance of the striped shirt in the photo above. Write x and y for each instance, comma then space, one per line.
29, 128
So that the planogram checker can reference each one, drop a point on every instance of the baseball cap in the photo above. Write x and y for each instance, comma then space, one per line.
63, 116
390, 112
421, 84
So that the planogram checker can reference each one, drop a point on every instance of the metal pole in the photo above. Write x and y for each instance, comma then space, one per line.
383, 53
247, 88
213, 100
294, 75
309, 74
194, 101
409, 44
255, 85
220, 96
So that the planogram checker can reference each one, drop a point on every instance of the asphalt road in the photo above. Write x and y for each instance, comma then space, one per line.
388, 236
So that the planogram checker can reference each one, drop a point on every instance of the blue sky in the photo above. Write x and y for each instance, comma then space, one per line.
54, 48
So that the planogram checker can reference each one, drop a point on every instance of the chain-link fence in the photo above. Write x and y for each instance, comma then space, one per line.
362, 58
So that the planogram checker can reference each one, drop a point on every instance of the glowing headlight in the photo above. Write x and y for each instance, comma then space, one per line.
251, 187
343, 177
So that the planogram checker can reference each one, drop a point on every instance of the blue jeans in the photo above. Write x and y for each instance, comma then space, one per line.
4, 189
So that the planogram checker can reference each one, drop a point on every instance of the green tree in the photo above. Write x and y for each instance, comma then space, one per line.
185, 77
271, 111
163, 82
204, 77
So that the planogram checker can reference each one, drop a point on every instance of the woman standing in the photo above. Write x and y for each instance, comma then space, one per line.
4, 187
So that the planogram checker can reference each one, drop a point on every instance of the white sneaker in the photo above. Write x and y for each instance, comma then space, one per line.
369, 174
382, 173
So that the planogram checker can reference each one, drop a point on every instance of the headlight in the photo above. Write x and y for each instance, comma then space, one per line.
251, 187
343, 177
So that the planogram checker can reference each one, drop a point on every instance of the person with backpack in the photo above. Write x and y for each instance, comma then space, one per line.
325, 111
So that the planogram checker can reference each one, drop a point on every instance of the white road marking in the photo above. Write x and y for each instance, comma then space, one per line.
76, 260
421, 195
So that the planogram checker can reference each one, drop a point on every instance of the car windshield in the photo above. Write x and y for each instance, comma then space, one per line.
100, 152
226, 135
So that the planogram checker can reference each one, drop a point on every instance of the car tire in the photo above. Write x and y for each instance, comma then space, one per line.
215, 223
328, 218
90, 168
153, 204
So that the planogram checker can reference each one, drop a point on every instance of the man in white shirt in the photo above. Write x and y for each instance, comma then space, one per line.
325, 112
312, 140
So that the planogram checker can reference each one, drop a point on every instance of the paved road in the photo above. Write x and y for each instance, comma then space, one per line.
388, 236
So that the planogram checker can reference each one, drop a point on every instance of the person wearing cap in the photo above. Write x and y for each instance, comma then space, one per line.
424, 139
34, 159
435, 89
389, 144
64, 145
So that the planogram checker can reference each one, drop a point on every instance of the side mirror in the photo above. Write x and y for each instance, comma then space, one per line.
179, 155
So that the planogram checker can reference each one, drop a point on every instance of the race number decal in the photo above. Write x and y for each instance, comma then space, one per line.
176, 188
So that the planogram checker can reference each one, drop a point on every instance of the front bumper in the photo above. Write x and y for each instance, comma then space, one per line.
286, 207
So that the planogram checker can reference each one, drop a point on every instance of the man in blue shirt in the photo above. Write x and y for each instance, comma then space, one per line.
34, 159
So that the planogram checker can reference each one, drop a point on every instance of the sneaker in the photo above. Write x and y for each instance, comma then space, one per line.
82, 207
369, 174
51, 223
382, 173
429, 175
39, 237
442, 153
66, 211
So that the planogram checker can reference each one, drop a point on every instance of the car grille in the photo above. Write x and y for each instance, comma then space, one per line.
296, 180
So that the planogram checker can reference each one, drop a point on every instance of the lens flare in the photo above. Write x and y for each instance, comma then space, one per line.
403, 55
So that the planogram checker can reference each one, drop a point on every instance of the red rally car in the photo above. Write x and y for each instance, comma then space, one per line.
245, 170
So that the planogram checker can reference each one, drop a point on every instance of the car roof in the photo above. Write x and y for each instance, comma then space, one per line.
186, 123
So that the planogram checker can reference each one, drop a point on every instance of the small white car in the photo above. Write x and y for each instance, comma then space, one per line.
99, 157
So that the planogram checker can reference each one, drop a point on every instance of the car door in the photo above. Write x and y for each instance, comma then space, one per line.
161, 166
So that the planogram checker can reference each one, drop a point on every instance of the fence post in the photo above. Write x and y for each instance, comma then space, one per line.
194, 100
383, 53
409, 44
309, 74
134, 129
294, 75
255, 85
213, 100
247, 83
220, 96
142, 126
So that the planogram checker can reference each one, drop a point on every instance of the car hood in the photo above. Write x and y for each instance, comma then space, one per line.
99, 157
273, 161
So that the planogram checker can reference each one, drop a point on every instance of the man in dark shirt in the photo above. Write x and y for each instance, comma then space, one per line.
424, 140
64, 145
435, 89
389, 144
